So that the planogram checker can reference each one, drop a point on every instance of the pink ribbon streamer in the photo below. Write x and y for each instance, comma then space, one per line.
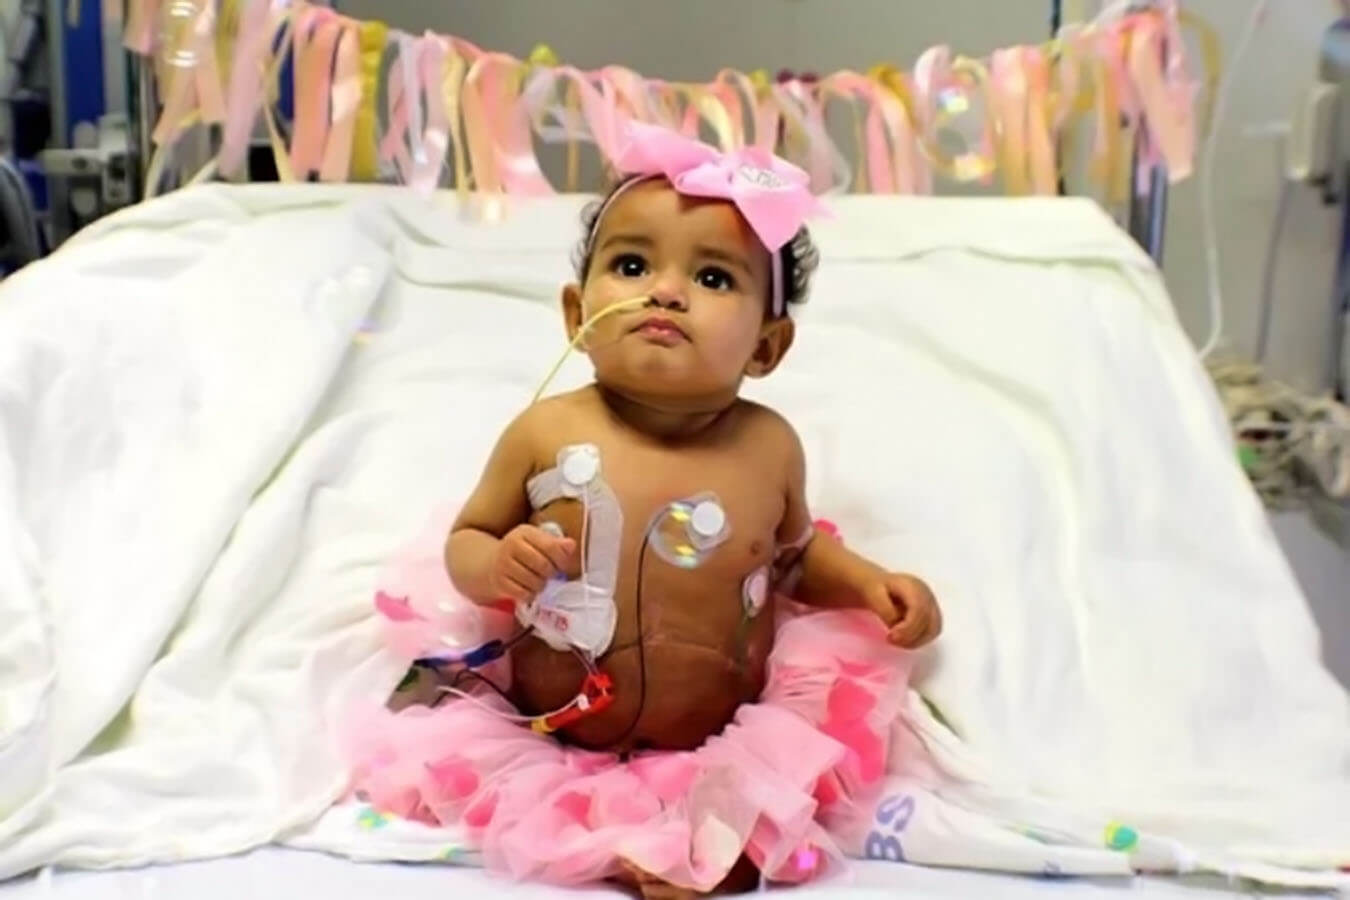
1041, 161
1008, 93
877, 158
426, 172
725, 88
1168, 105
344, 101
195, 86
418, 152
823, 160
246, 81
139, 35
497, 129
600, 113
314, 42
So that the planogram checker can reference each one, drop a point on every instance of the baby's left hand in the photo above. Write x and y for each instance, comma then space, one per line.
907, 607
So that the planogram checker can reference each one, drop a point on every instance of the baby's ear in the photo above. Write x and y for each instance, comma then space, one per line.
571, 308
775, 339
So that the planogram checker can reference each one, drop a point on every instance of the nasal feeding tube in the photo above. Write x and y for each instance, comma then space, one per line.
586, 326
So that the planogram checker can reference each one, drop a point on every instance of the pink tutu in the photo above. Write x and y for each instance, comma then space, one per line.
803, 762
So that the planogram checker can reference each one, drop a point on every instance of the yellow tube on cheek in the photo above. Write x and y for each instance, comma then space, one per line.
586, 326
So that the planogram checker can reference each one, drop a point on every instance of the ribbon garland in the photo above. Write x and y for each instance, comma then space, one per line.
470, 118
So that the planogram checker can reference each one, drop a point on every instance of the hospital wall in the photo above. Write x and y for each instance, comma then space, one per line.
692, 39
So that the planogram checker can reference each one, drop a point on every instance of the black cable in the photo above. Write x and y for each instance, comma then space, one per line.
461, 673
522, 635
436, 664
483, 679
641, 644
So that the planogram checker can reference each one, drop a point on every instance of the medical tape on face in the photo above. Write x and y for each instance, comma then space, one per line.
579, 613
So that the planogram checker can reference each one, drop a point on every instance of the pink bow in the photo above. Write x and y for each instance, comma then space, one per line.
770, 193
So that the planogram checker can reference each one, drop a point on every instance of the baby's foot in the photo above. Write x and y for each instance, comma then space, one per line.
649, 887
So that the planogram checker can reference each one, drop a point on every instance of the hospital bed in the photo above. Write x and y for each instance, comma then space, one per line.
222, 411
277, 873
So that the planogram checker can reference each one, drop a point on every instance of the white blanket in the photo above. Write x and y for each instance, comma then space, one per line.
201, 470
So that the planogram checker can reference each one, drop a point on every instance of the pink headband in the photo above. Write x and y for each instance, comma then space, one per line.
771, 194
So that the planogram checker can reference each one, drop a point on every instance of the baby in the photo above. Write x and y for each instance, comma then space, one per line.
714, 248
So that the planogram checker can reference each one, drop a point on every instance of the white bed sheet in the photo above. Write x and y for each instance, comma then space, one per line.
288, 874
454, 289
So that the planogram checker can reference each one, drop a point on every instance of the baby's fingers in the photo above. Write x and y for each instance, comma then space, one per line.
513, 590
909, 631
558, 550
520, 575
524, 555
920, 625
934, 625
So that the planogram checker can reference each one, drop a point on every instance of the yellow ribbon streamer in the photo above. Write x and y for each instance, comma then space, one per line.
365, 158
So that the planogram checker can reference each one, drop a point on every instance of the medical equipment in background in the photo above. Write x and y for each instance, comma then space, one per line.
1295, 446
24, 125
1318, 155
95, 162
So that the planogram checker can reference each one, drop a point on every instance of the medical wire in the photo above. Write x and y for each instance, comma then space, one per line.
573, 344
1207, 224
481, 679
433, 662
1269, 267
641, 642
581, 544
510, 717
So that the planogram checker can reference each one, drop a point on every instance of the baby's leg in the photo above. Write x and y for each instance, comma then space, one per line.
742, 879
649, 887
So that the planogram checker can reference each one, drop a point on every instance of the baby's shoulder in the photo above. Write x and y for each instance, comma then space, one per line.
548, 412
539, 425
767, 427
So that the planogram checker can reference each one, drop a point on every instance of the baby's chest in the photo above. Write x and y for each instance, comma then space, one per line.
716, 512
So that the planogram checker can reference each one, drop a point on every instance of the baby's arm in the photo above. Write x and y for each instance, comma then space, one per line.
834, 576
493, 554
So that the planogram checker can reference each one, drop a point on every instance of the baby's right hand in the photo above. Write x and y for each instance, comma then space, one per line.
527, 558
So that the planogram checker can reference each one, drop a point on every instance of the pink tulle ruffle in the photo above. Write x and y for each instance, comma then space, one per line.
811, 752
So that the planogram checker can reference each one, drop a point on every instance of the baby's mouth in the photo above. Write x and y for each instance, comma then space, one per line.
660, 330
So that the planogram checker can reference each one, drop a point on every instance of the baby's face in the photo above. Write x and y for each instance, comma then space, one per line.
706, 279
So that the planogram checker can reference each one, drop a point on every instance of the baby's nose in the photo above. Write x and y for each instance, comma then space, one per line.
669, 293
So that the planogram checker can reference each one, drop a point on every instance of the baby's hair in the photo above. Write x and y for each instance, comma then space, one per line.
799, 256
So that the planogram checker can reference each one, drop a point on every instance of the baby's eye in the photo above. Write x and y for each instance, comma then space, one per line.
629, 265
715, 279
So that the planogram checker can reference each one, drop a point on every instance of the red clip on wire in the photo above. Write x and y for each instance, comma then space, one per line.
596, 694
